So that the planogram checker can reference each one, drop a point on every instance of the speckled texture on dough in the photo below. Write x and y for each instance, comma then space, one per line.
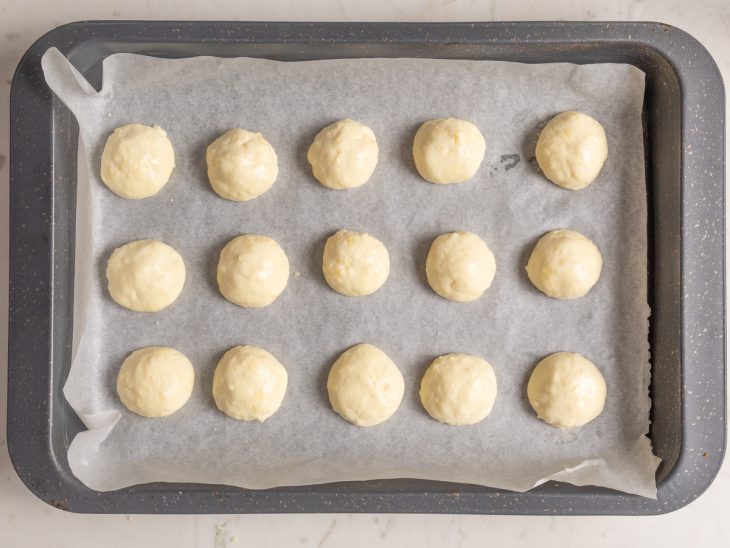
566, 390
242, 165
564, 264
249, 383
572, 149
155, 381
145, 276
137, 161
448, 150
365, 387
458, 389
355, 264
344, 155
253, 271
460, 267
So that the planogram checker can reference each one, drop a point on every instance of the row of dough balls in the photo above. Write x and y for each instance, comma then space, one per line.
137, 160
365, 387
253, 270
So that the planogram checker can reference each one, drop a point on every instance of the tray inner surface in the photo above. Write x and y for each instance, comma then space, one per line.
666, 421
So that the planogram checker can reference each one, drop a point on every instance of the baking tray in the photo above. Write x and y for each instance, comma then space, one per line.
685, 130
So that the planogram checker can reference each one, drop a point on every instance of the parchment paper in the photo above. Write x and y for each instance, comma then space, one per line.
509, 204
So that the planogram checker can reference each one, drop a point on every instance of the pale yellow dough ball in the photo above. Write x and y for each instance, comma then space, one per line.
459, 389
344, 155
137, 161
564, 264
448, 150
145, 275
155, 381
355, 263
253, 271
241, 165
460, 267
572, 149
249, 384
365, 387
566, 390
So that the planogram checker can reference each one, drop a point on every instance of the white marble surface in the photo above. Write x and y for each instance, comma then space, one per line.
26, 521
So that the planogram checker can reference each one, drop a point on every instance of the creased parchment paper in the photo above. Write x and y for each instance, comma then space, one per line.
509, 204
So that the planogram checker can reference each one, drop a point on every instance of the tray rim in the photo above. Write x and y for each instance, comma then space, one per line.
58, 488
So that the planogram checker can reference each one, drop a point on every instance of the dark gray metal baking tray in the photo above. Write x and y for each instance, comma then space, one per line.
685, 131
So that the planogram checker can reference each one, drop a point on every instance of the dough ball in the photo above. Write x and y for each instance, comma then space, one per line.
365, 387
155, 381
344, 155
448, 150
252, 271
459, 389
566, 390
137, 161
249, 384
571, 150
355, 263
460, 266
146, 275
564, 264
241, 165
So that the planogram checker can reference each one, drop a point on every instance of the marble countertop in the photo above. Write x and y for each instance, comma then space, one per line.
26, 521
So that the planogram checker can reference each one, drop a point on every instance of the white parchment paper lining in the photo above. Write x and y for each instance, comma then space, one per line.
509, 204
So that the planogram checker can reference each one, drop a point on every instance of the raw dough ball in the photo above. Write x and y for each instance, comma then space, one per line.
355, 263
249, 384
146, 275
344, 155
448, 150
566, 390
459, 389
571, 150
564, 264
241, 165
137, 161
155, 381
365, 387
252, 271
460, 266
